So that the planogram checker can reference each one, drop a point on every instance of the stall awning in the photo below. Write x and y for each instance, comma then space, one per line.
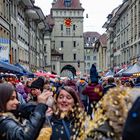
6, 67
25, 72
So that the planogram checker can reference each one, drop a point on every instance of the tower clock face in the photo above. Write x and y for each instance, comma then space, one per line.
67, 22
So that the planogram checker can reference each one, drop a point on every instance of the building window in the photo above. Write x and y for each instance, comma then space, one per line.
88, 57
74, 27
12, 30
67, 3
15, 55
62, 44
84, 57
15, 33
61, 27
67, 31
45, 48
62, 56
74, 56
88, 51
74, 44
53, 67
88, 65
46, 60
94, 57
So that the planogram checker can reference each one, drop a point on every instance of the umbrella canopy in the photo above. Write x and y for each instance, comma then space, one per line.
119, 73
40, 74
109, 74
48, 74
51, 75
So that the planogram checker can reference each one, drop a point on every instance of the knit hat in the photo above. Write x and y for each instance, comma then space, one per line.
38, 83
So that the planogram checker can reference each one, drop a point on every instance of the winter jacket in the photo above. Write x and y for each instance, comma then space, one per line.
108, 86
58, 129
94, 91
103, 132
131, 129
13, 129
93, 74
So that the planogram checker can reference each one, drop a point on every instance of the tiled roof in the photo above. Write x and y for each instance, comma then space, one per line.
103, 39
91, 34
59, 4
49, 20
90, 38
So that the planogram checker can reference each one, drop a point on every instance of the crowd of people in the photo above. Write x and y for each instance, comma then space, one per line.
72, 109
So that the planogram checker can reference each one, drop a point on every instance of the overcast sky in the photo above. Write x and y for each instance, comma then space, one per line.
97, 11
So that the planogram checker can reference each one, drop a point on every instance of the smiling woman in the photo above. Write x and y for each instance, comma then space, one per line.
10, 127
66, 119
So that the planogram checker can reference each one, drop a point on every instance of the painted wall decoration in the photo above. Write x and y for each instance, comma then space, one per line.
4, 49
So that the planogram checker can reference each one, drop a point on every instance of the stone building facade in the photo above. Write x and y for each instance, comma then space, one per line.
100, 48
90, 55
67, 35
22, 27
123, 31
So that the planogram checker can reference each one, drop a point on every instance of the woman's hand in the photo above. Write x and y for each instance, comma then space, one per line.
42, 98
49, 111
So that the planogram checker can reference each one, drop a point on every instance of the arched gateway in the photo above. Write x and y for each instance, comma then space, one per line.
69, 68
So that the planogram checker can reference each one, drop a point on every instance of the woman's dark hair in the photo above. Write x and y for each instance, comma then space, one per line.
46, 82
6, 91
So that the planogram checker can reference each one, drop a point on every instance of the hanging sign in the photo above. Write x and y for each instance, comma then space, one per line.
4, 49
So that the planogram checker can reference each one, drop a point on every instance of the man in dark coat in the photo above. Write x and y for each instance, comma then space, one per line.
132, 126
93, 73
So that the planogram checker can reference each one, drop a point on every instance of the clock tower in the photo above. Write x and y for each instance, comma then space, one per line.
67, 35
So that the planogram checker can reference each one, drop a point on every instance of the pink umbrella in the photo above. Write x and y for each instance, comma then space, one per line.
51, 75
40, 74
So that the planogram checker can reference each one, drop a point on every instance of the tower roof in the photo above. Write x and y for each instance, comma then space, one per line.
75, 4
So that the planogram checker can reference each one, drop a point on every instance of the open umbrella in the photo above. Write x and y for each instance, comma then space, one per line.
40, 74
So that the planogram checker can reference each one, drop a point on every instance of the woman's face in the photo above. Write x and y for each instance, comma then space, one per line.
12, 103
35, 92
65, 101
